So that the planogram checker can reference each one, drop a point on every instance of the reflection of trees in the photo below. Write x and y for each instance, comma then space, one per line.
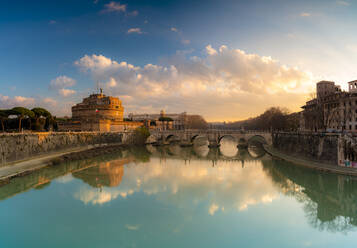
330, 201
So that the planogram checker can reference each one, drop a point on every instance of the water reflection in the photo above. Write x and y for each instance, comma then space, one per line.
217, 181
330, 201
228, 146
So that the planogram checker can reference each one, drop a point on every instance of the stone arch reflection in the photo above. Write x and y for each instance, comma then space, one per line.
228, 146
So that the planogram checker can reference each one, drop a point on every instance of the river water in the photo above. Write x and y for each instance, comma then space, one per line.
179, 197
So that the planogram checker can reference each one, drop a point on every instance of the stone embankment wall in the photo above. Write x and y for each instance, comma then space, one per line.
313, 146
21, 146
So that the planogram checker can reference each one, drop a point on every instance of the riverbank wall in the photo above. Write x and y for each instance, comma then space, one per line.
20, 146
313, 146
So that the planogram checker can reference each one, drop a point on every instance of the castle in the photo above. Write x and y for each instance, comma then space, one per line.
98, 112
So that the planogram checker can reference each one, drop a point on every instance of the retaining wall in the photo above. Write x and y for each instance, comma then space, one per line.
20, 146
313, 146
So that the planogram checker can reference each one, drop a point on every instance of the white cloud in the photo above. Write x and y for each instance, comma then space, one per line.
135, 30
10, 102
114, 7
66, 92
7, 102
212, 85
173, 29
62, 82
305, 14
210, 50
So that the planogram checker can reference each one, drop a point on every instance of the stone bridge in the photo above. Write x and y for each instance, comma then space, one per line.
214, 137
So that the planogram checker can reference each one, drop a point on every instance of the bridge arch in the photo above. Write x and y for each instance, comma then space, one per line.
257, 139
256, 152
152, 139
198, 136
227, 135
171, 136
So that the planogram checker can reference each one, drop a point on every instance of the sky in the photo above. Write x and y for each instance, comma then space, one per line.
226, 60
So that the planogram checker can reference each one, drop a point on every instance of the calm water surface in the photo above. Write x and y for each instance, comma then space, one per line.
176, 197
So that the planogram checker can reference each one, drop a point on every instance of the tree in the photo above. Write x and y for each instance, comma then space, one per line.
196, 122
164, 118
140, 135
41, 112
4, 114
22, 113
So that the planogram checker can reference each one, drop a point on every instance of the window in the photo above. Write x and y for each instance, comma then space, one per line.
350, 127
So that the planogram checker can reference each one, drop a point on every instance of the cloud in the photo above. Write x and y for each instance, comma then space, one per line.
214, 84
62, 82
344, 3
10, 102
173, 29
52, 22
134, 30
7, 102
210, 50
114, 7
66, 92
305, 14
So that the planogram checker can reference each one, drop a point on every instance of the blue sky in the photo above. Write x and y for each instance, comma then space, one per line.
273, 53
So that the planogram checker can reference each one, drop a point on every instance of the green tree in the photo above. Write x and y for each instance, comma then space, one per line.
164, 118
4, 114
140, 135
196, 122
22, 113
41, 112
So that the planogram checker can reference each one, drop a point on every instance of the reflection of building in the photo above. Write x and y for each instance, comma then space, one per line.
109, 174
332, 109
162, 121
98, 112
334, 196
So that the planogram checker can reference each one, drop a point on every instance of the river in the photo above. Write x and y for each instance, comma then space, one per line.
179, 197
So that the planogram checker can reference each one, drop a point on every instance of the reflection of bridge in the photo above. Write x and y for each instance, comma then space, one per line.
205, 153
187, 137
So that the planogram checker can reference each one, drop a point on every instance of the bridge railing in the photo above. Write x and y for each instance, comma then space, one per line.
210, 131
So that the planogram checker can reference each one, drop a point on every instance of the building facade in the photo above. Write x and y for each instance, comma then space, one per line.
157, 121
332, 109
98, 112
